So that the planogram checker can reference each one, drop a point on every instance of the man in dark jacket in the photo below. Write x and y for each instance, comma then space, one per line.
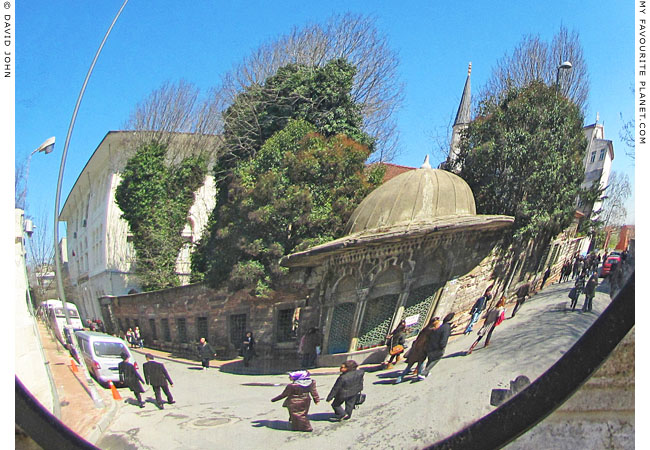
131, 378
478, 308
348, 385
437, 344
522, 294
590, 292
156, 375
206, 353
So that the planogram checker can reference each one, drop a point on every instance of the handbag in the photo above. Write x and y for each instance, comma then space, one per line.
396, 350
361, 398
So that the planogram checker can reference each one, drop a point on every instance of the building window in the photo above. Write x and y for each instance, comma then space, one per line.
285, 331
128, 323
166, 332
237, 329
202, 327
182, 330
593, 157
119, 324
152, 327
602, 155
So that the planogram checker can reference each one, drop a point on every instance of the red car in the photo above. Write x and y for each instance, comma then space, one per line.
607, 265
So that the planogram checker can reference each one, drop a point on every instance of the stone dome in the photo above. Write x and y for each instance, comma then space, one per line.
415, 197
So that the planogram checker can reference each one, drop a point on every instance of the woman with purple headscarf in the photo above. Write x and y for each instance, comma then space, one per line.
297, 400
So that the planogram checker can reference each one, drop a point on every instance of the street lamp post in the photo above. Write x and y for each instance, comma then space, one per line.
57, 252
566, 65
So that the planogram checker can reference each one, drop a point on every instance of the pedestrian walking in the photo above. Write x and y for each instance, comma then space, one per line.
345, 390
478, 308
130, 377
575, 292
437, 344
247, 349
493, 318
396, 343
206, 353
522, 294
418, 352
309, 348
546, 275
298, 395
590, 292
138, 338
155, 374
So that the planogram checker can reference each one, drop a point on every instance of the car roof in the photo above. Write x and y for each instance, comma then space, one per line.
97, 335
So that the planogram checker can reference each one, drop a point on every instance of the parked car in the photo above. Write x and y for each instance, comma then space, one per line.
607, 265
101, 353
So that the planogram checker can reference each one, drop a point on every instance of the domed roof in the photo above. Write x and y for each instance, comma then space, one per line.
414, 197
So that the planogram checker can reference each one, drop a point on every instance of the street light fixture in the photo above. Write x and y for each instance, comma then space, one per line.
566, 65
46, 147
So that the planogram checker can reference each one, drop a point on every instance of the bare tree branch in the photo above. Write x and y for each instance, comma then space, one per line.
534, 59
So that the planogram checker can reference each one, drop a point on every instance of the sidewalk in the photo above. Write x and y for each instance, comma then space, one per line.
78, 411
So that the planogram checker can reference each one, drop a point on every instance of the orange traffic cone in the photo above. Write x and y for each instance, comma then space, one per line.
116, 395
73, 366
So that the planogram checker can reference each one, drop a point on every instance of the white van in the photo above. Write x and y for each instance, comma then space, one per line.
56, 318
102, 353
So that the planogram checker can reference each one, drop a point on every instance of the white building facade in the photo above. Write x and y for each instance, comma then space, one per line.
597, 162
101, 258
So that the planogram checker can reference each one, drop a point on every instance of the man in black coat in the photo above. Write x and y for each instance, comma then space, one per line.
206, 352
131, 378
437, 344
348, 385
522, 293
156, 375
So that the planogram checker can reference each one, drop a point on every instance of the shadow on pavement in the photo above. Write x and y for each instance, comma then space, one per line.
453, 355
321, 417
273, 424
195, 368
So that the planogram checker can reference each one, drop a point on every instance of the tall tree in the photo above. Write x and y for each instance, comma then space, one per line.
178, 117
354, 37
617, 192
298, 190
40, 259
537, 60
155, 198
319, 96
523, 157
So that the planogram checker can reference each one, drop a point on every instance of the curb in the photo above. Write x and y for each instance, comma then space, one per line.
103, 423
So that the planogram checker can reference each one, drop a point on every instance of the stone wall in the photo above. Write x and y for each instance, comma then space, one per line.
600, 415
195, 302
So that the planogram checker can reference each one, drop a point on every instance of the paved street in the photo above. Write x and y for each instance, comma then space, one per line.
216, 409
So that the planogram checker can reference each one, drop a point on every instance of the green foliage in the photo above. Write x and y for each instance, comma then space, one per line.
299, 190
523, 157
291, 172
155, 200
318, 95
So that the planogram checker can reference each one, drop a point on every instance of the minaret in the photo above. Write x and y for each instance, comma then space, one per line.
463, 118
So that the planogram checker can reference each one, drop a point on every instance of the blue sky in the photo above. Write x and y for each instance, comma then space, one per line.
154, 42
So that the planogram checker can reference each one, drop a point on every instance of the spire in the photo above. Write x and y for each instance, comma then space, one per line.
464, 109
425, 164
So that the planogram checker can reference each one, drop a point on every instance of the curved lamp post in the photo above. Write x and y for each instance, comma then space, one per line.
57, 252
